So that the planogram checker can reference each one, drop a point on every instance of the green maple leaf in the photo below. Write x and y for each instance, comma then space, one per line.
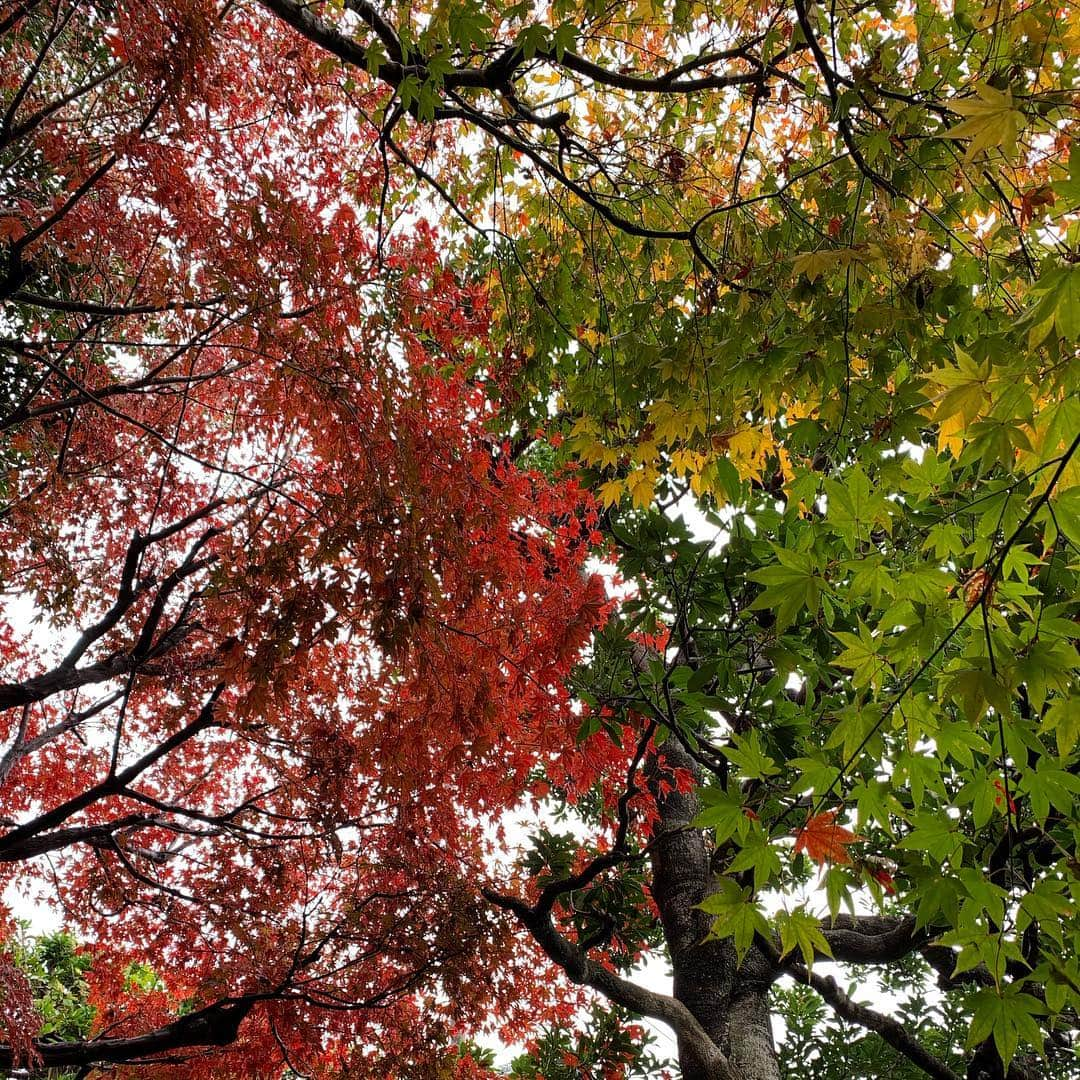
1063, 718
722, 812
1008, 1016
939, 837
758, 855
801, 930
737, 916
792, 585
1057, 305
861, 656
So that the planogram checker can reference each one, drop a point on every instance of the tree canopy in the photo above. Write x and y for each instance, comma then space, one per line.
660, 419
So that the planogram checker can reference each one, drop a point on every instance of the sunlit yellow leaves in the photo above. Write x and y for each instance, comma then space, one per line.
950, 434
1070, 33
911, 251
641, 485
800, 408
687, 462
815, 263
594, 452
610, 492
905, 24
671, 424
646, 452
749, 449
644, 10
992, 121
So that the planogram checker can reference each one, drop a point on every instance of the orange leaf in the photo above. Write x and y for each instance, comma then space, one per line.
825, 841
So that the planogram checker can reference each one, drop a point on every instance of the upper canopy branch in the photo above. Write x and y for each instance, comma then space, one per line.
495, 74
501, 75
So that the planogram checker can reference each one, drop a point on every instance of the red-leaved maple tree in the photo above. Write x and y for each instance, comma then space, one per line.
298, 630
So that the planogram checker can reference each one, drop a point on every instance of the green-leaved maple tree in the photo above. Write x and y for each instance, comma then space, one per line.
312, 481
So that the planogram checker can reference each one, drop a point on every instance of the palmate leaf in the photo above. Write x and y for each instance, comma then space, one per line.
824, 840
854, 507
789, 368
749, 755
801, 930
869, 577
1056, 306
1006, 1017
737, 916
759, 855
1063, 718
992, 121
792, 585
938, 836
862, 656
724, 813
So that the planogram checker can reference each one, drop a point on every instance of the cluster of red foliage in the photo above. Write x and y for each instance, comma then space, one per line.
316, 628
18, 1017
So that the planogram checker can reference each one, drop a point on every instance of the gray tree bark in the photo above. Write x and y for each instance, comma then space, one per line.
729, 1000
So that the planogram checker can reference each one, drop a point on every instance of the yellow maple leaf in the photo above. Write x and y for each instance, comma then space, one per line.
669, 425
992, 120
583, 425
594, 452
950, 435
814, 263
610, 492
748, 449
685, 462
964, 398
646, 452
641, 484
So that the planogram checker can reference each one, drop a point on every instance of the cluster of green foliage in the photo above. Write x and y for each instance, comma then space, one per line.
818, 1046
874, 397
56, 969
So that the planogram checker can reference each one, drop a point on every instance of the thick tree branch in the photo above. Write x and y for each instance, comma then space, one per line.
872, 939
95, 835
893, 1032
585, 972
216, 1025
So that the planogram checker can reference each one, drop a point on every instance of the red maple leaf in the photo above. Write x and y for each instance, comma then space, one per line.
882, 877
825, 841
